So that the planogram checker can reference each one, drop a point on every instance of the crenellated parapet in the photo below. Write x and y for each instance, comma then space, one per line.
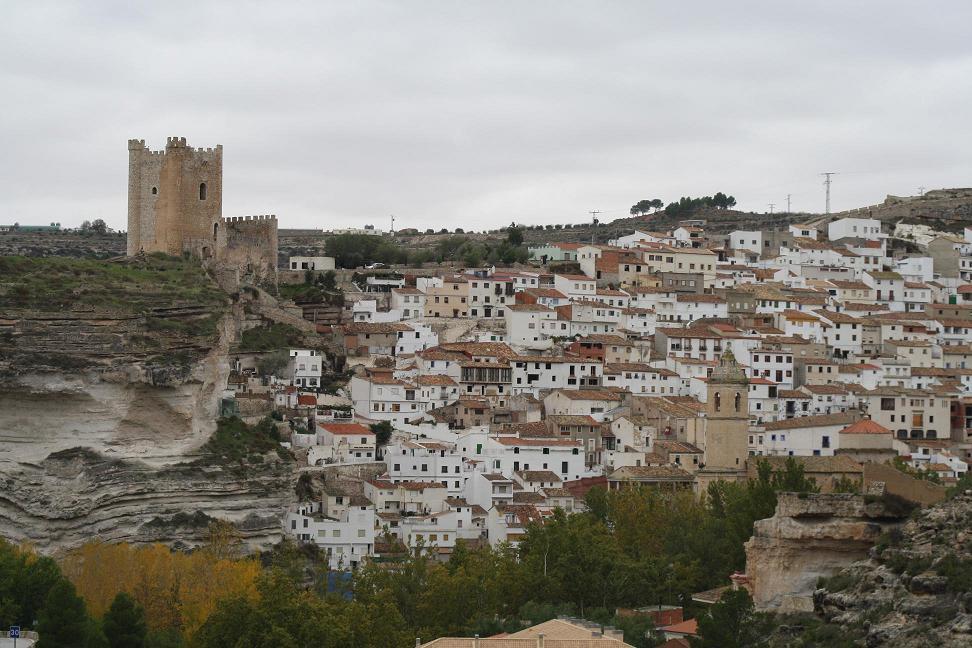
243, 219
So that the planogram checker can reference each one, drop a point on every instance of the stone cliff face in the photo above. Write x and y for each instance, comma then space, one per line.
915, 587
810, 536
78, 495
105, 407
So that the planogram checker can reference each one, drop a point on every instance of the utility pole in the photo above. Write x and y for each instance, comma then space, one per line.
594, 214
788, 204
827, 184
921, 191
393, 224
771, 206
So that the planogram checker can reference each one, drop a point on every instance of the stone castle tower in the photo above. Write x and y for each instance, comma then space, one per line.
727, 416
175, 198
175, 206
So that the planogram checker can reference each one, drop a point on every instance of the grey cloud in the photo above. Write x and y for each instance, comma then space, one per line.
479, 113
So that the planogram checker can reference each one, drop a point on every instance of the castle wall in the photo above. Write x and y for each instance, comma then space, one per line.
250, 247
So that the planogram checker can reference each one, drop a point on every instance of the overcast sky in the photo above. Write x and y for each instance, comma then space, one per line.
475, 114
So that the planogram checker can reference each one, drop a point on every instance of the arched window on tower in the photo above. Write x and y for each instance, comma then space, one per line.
215, 230
738, 401
202, 191
718, 401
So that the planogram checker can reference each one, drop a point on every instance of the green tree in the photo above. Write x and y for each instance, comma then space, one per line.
514, 235
99, 226
383, 432
731, 623
329, 280
124, 623
63, 620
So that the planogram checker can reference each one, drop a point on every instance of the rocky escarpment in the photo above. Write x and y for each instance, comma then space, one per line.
915, 587
811, 536
111, 379
77, 495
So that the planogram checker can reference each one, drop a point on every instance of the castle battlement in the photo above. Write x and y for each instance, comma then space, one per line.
242, 219
175, 142
136, 144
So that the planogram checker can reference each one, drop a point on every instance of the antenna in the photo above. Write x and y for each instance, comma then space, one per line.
788, 211
594, 214
771, 206
827, 181
393, 224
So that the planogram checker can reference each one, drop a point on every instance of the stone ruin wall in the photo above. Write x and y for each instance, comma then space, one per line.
250, 248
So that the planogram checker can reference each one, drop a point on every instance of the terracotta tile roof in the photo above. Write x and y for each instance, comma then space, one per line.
538, 442
430, 380
572, 419
548, 293
376, 328
689, 627
590, 394
538, 476
348, 429
651, 473
529, 308
866, 426
842, 418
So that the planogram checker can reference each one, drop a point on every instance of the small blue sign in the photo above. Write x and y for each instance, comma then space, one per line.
15, 632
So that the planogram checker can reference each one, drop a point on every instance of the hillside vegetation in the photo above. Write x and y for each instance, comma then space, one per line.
133, 285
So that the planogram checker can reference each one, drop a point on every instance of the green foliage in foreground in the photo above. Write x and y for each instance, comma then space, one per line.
133, 286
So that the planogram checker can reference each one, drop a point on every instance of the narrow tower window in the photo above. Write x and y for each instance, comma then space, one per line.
215, 230
738, 400
718, 401
202, 191
155, 190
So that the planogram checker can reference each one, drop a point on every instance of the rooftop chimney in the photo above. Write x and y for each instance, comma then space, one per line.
540, 640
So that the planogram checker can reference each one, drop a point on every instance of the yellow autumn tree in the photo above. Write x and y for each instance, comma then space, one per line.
177, 590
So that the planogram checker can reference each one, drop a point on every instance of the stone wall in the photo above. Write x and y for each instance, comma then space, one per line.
250, 246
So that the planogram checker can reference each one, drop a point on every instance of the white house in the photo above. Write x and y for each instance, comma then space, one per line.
534, 373
409, 301
347, 537
425, 461
419, 338
382, 397
530, 325
307, 366
866, 228
311, 263
351, 442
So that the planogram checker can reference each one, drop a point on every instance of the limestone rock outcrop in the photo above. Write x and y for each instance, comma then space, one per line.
811, 536
915, 587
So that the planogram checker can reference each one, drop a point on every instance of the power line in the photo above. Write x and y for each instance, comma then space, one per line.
827, 181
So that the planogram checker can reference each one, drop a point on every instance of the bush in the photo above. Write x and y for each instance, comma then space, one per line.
270, 338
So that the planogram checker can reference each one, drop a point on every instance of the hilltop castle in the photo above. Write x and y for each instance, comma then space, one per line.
175, 205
